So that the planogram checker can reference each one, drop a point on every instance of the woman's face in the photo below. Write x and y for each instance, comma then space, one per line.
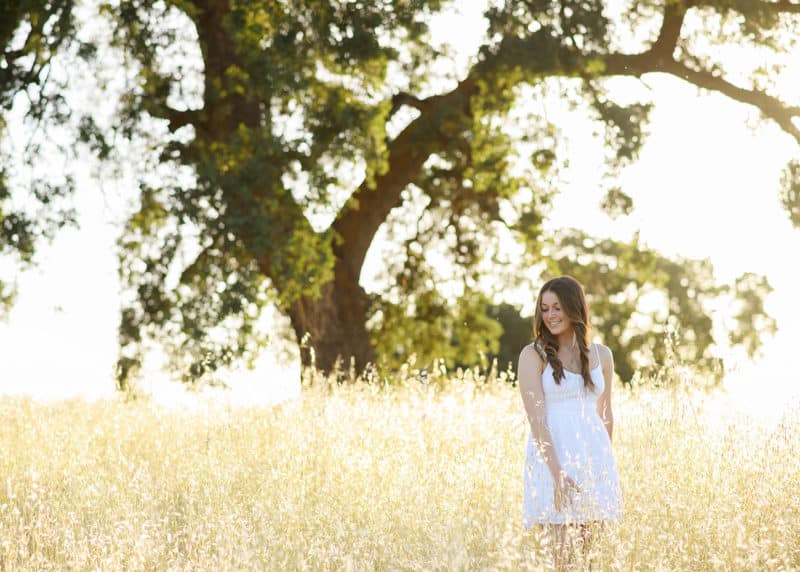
552, 315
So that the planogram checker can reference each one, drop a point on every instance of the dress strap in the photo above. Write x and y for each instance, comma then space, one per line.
597, 354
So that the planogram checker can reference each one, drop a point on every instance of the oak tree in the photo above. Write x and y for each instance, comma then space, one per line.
290, 134
32, 33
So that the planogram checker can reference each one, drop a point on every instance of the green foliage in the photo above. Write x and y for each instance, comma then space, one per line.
464, 186
295, 95
32, 34
517, 331
209, 310
751, 319
8, 293
582, 24
647, 308
624, 133
427, 316
268, 120
790, 192
616, 203
291, 97
433, 327
638, 297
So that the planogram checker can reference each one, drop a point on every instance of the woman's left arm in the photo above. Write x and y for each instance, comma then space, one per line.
604, 401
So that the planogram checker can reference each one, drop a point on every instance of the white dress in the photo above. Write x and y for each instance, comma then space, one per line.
582, 446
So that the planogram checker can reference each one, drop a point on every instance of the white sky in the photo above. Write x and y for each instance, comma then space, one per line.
706, 185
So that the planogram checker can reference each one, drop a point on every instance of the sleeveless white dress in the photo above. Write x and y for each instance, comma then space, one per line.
582, 446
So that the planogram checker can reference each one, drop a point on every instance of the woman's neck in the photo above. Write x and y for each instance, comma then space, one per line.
567, 340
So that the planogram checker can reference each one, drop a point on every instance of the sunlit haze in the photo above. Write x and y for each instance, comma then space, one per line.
705, 186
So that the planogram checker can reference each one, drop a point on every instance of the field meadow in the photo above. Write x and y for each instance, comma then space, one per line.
361, 476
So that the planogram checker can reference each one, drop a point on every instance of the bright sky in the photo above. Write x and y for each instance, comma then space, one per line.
706, 185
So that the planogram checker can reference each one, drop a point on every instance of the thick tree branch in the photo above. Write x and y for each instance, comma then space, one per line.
178, 119
779, 7
637, 65
368, 208
652, 62
403, 98
668, 35
782, 6
770, 106
537, 55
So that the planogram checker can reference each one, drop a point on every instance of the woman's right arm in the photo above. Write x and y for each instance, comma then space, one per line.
530, 385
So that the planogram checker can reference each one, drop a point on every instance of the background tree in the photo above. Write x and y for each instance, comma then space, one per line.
645, 305
32, 33
288, 133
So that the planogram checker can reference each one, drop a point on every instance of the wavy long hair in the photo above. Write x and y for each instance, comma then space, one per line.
573, 304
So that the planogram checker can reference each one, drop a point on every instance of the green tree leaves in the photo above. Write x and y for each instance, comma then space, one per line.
648, 308
790, 192
284, 135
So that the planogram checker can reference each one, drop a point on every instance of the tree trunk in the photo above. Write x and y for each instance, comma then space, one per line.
333, 327
335, 323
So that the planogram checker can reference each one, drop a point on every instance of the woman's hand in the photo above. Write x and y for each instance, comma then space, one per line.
564, 489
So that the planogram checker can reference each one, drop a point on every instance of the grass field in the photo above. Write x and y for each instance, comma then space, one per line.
405, 477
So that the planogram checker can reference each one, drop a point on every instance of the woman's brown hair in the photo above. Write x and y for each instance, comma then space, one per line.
573, 303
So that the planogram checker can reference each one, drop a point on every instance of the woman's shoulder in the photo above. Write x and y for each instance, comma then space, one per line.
604, 353
536, 347
534, 350
600, 347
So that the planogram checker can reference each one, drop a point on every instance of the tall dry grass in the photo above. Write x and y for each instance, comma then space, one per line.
365, 476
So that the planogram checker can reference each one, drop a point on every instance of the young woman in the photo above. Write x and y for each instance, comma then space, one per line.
571, 481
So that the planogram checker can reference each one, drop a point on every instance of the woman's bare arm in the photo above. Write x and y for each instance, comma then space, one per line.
530, 385
604, 401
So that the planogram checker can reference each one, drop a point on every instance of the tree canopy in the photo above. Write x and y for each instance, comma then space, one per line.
646, 306
288, 134
32, 33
